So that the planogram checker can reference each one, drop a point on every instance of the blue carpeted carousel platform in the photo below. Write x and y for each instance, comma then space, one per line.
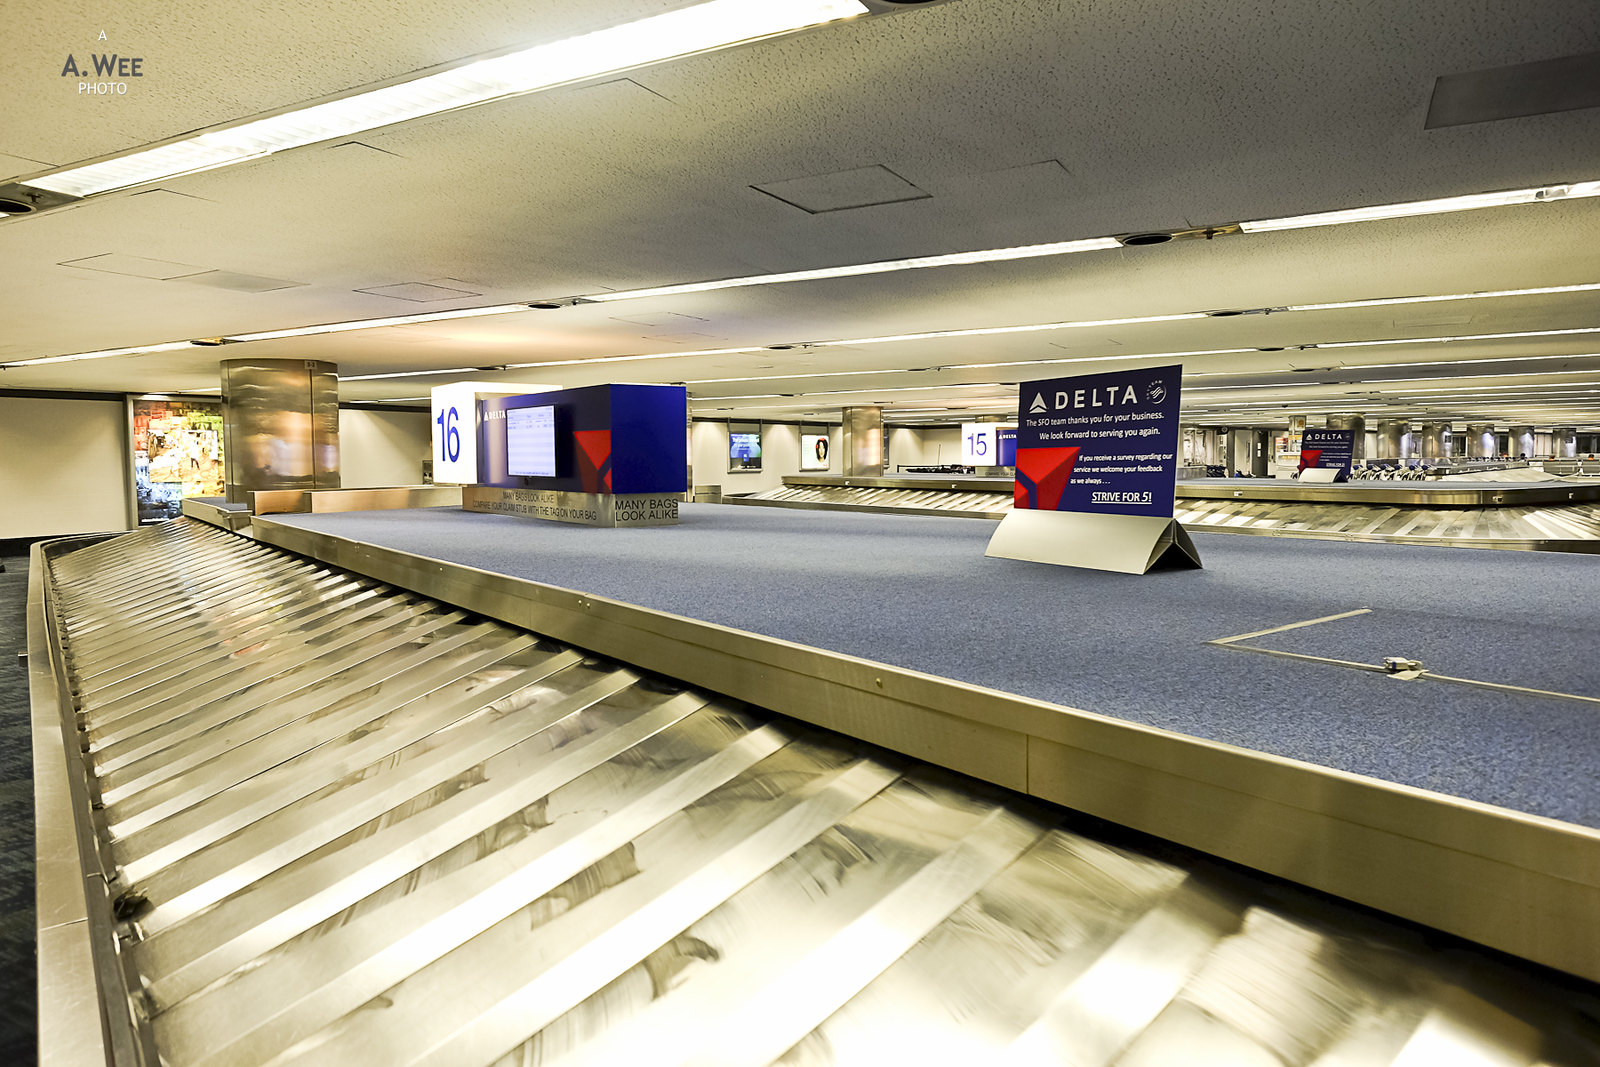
918, 592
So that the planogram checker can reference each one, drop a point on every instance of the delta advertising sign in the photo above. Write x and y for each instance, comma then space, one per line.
1328, 449
1100, 443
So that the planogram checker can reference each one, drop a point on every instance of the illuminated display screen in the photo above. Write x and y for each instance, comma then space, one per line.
744, 451
531, 442
813, 452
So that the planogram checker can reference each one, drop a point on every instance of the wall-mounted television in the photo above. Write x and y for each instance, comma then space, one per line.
531, 442
744, 447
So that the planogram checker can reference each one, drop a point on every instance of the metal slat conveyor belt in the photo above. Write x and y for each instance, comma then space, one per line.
345, 824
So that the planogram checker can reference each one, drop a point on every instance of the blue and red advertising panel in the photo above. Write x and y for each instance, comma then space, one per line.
621, 439
1099, 443
1007, 451
1333, 449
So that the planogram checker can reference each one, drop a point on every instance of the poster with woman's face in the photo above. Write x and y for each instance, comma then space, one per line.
813, 451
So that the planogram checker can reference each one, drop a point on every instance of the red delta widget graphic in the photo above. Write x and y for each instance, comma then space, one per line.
1099, 443
1042, 476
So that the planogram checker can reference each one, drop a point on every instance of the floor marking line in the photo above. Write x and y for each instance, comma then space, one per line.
1506, 687
1304, 656
1290, 626
1424, 675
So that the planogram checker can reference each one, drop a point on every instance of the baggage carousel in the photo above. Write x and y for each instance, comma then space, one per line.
1547, 516
295, 813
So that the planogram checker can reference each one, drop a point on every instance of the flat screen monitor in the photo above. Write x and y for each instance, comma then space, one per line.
813, 451
531, 442
744, 451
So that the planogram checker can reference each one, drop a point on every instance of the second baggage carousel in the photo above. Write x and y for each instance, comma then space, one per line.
1548, 515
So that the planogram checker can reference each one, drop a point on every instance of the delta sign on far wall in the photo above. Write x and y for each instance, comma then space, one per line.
1099, 443
1328, 450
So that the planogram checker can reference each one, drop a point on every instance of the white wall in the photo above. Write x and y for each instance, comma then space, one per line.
378, 448
780, 455
928, 446
63, 467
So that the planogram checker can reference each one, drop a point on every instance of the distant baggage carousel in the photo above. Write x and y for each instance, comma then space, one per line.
1544, 516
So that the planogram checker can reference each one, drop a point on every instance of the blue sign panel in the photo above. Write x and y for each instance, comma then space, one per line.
621, 439
1334, 449
1007, 452
1100, 443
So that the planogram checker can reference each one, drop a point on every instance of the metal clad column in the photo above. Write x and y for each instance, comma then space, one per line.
1357, 424
1564, 442
1392, 434
863, 442
1435, 440
1480, 440
280, 422
1520, 441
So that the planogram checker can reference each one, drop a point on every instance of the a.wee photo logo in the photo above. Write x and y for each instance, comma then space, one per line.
102, 73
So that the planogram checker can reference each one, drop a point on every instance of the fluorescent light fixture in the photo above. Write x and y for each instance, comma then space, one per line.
993, 331
1102, 359
675, 34
788, 377
1459, 377
854, 270
373, 324
408, 374
107, 353
1470, 202
1461, 337
631, 359
874, 391
1393, 301
1463, 362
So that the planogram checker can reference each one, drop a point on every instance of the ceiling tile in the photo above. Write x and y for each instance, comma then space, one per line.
135, 266
844, 190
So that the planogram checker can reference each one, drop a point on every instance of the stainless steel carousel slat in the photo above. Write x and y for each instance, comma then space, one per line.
235, 588
546, 969
237, 611
193, 954
161, 595
200, 664
1000, 959
352, 826
311, 823
365, 726
189, 717
324, 722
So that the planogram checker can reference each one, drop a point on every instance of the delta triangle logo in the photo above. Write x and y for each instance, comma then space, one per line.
1037, 405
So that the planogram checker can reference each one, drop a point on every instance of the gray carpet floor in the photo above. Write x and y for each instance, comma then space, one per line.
17, 973
917, 592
